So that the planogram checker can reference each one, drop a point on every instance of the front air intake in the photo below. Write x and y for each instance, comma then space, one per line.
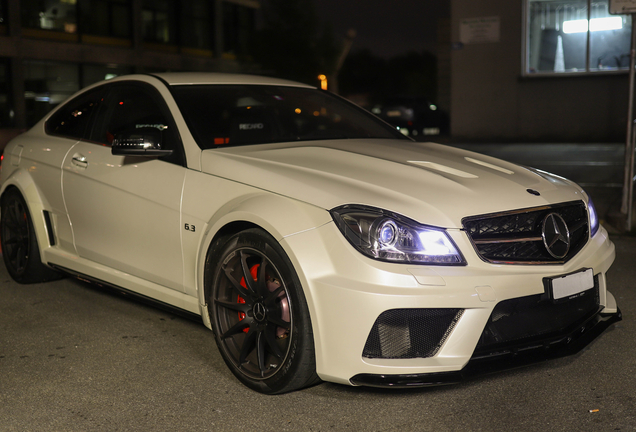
410, 333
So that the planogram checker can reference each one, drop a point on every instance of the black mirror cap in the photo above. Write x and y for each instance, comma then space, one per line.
144, 141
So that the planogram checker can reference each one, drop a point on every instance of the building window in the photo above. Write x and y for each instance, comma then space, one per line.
7, 115
158, 21
106, 18
575, 36
238, 23
47, 84
60, 15
196, 27
92, 73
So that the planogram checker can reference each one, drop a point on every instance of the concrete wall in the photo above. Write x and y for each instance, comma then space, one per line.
492, 101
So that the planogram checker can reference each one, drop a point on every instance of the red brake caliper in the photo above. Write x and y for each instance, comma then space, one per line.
272, 285
254, 273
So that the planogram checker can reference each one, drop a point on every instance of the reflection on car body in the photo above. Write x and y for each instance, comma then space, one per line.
317, 242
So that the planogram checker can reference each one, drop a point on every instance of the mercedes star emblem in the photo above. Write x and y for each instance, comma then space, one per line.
556, 236
259, 312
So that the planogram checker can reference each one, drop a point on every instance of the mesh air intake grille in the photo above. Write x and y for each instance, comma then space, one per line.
535, 317
410, 333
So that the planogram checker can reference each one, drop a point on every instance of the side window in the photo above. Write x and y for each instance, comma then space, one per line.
73, 120
133, 106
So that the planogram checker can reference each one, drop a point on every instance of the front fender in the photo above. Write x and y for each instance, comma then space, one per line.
278, 215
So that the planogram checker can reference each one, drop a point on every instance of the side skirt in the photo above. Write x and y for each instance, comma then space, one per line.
130, 294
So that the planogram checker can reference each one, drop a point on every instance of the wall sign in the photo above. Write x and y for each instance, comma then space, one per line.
479, 30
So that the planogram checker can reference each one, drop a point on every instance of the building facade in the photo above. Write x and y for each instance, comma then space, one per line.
539, 70
49, 49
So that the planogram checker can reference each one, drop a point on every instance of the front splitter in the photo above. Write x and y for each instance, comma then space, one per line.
512, 357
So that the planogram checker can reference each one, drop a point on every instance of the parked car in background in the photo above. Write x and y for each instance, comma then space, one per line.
316, 241
414, 116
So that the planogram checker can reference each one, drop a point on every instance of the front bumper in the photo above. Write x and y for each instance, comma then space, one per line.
510, 357
347, 292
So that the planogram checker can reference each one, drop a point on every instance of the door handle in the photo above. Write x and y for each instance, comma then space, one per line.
79, 161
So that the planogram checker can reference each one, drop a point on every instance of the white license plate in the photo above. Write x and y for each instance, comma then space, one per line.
572, 284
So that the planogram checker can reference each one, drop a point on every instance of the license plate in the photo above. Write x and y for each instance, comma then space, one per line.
571, 285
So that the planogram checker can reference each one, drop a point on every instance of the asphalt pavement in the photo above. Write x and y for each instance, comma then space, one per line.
74, 357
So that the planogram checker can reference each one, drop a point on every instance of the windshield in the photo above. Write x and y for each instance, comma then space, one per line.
231, 115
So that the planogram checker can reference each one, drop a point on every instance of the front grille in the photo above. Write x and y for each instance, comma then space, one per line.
536, 317
410, 333
516, 237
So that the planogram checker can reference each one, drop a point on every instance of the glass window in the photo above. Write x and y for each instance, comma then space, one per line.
47, 84
129, 107
559, 33
73, 119
238, 23
229, 115
106, 17
58, 15
196, 24
7, 115
158, 21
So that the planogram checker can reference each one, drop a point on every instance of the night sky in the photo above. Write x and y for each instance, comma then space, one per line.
386, 27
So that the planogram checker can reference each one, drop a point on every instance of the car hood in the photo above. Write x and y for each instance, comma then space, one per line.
431, 183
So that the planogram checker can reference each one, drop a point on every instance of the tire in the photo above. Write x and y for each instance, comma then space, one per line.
20, 249
259, 313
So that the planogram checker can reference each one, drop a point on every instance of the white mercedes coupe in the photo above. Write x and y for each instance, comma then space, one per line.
313, 239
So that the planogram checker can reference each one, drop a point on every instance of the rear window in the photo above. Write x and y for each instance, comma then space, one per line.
231, 115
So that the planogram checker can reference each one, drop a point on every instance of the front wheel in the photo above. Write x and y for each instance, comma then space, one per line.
259, 313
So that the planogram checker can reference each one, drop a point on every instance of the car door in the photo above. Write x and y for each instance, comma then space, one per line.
125, 210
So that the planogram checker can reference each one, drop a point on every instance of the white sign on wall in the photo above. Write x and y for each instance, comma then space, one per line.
479, 30
618, 7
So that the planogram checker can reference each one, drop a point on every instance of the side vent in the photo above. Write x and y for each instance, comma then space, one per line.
49, 227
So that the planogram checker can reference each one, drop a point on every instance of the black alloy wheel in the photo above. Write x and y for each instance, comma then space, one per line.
259, 314
19, 244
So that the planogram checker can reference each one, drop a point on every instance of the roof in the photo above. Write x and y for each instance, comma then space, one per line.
184, 78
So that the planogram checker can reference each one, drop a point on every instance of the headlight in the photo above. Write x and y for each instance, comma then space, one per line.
594, 224
386, 236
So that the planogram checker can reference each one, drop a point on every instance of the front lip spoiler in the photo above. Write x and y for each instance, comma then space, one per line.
501, 360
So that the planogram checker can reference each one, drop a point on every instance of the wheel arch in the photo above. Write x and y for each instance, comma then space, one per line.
22, 182
276, 215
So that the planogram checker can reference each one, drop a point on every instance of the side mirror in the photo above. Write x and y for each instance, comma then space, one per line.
145, 141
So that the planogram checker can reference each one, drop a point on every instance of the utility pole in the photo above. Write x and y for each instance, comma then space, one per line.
628, 7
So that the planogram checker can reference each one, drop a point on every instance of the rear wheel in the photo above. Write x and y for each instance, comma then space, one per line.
19, 245
259, 313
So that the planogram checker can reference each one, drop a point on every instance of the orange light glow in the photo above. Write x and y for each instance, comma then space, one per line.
323, 81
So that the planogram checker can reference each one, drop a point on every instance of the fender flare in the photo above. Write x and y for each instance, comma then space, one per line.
21, 180
277, 215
